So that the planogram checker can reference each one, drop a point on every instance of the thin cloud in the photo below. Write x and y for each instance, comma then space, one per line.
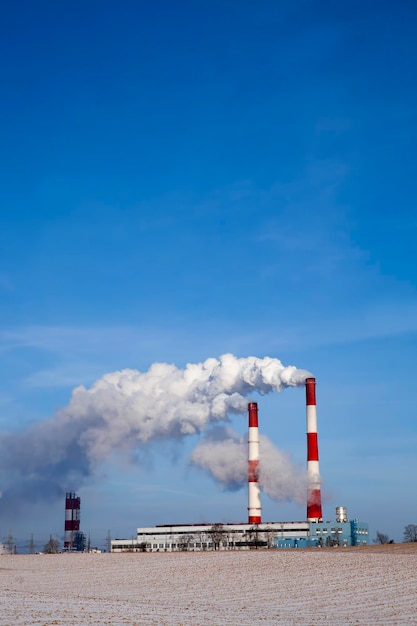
68, 375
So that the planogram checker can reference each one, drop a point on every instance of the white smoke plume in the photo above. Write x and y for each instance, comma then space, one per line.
127, 410
224, 455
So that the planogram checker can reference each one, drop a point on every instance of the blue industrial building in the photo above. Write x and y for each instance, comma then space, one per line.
329, 534
341, 532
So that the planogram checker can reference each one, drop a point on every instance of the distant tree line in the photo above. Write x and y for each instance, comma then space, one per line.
382, 538
410, 533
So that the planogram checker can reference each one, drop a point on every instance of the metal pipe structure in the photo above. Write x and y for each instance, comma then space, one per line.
72, 519
254, 492
314, 513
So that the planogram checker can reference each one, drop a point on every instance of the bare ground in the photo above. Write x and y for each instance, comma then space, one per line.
309, 587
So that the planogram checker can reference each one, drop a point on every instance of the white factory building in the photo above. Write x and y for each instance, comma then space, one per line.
198, 537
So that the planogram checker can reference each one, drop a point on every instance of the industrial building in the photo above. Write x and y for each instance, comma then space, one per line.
200, 537
257, 534
340, 532
197, 537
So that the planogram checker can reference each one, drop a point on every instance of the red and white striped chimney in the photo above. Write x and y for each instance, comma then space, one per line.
254, 492
72, 519
314, 513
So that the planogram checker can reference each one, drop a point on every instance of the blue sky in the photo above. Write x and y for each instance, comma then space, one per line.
183, 180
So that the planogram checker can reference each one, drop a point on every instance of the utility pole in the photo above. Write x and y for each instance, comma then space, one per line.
31, 545
10, 542
108, 542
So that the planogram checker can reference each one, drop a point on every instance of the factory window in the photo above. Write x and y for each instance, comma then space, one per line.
318, 531
155, 545
333, 530
324, 531
340, 530
191, 545
161, 545
198, 545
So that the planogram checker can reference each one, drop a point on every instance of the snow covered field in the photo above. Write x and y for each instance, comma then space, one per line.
337, 586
